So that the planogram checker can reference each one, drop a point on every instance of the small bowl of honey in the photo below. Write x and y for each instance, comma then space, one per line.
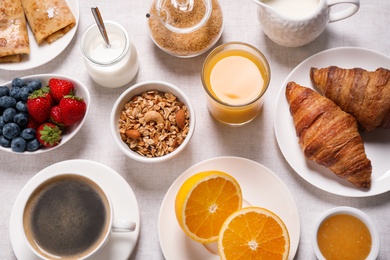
345, 233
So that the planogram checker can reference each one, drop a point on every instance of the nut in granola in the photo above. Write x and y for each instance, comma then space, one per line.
153, 116
181, 118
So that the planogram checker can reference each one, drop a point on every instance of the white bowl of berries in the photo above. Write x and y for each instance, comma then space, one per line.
39, 113
152, 121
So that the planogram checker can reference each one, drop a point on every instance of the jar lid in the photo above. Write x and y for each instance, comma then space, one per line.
183, 16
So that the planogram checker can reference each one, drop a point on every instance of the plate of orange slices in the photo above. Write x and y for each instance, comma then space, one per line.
262, 194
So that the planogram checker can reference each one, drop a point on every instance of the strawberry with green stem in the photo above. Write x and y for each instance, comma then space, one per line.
39, 103
73, 109
60, 88
49, 134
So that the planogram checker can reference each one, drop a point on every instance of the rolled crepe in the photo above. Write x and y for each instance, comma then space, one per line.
49, 20
13, 31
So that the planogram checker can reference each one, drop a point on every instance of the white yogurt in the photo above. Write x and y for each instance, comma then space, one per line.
110, 67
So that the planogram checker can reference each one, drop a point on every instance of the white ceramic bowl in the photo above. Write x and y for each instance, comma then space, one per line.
353, 212
136, 90
81, 91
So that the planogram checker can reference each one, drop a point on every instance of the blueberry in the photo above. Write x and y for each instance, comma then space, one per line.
4, 91
25, 92
32, 145
8, 114
4, 142
35, 84
21, 119
18, 144
21, 106
2, 123
15, 93
28, 133
11, 130
7, 101
17, 82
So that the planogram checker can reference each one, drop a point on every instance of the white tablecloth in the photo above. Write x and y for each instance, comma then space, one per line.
369, 28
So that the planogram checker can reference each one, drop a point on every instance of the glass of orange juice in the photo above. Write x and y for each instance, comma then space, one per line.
235, 76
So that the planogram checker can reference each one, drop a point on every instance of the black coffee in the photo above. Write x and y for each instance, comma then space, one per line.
67, 216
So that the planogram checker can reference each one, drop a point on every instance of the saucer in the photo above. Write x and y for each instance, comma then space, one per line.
260, 187
120, 244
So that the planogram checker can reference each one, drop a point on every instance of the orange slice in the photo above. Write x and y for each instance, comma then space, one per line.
203, 203
253, 233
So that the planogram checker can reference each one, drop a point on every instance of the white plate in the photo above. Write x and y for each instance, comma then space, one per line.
80, 90
41, 54
377, 143
260, 187
120, 245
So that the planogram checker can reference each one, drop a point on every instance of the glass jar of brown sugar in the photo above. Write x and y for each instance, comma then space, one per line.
185, 28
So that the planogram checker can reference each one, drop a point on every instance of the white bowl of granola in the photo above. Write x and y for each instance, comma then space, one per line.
152, 121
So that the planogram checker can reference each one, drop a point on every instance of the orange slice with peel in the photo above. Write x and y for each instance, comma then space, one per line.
253, 233
203, 203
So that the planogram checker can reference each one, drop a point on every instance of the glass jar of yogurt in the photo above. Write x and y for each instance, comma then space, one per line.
113, 66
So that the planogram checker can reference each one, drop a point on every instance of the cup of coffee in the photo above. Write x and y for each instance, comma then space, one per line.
69, 216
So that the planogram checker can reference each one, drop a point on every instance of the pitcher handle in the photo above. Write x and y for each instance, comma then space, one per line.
337, 16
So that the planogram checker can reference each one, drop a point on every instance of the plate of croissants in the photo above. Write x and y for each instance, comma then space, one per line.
332, 121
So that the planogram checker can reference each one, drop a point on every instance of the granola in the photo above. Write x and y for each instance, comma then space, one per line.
148, 123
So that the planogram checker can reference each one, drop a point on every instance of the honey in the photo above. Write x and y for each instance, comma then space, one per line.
344, 236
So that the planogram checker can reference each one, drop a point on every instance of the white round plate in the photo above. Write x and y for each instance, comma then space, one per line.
260, 187
121, 244
41, 54
81, 90
377, 142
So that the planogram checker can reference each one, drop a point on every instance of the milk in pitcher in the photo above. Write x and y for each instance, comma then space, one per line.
293, 8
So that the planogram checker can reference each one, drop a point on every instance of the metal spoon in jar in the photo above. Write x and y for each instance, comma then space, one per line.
100, 24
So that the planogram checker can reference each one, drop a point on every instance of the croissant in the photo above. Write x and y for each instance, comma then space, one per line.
364, 94
328, 135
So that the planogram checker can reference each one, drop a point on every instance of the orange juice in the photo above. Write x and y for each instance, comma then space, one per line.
235, 77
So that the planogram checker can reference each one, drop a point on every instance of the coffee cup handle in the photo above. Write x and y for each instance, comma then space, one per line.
337, 16
123, 225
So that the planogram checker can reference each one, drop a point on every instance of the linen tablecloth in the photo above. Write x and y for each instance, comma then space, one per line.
369, 28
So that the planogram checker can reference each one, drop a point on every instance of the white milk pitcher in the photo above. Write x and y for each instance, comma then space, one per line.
293, 23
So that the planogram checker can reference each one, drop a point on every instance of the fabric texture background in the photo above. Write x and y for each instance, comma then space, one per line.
369, 28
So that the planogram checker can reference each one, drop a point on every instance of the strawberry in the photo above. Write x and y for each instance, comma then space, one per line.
73, 109
60, 88
56, 116
39, 103
32, 123
49, 135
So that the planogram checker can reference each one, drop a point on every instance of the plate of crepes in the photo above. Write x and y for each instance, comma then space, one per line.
332, 121
33, 32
